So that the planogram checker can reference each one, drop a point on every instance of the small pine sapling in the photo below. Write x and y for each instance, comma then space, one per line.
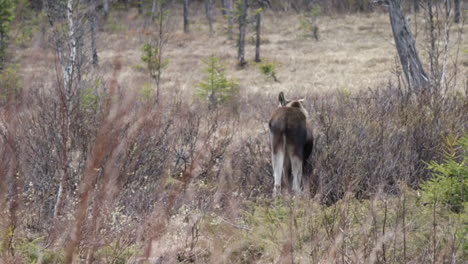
269, 69
450, 182
215, 87
309, 22
154, 63
153, 51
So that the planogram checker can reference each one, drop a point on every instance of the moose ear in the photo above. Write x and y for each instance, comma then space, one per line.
301, 100
281, 99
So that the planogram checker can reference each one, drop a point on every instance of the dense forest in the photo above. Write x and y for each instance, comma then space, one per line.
138, 131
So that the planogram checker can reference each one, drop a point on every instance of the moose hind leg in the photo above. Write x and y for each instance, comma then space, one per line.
296, 163
277, 159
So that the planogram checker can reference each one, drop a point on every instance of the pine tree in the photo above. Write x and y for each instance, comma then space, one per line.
216, 87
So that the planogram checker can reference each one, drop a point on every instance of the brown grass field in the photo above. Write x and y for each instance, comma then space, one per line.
354, 52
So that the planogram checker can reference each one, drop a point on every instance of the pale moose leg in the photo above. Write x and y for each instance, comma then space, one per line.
277, 158
296, 164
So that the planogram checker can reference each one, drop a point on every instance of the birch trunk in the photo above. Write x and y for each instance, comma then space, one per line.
67, 93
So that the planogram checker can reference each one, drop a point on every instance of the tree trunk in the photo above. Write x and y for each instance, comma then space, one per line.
258, 20
106, 7
153, 9
242, 27
406, 47
93, 32
69, 70
230, 17
209, 14
12, 184
160, 45
186, 16
360, 5
456, 17
2, 50
224, 7
140, 6
416, 6
433, 53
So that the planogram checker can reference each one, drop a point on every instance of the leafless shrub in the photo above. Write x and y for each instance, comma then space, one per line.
378, 138
142, 164
253, 167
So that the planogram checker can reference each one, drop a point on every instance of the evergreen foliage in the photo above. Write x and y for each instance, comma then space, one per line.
269, 70
309, 22
216, 87
7, 8
450, 182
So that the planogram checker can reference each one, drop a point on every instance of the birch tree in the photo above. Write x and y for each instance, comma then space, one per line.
68, 42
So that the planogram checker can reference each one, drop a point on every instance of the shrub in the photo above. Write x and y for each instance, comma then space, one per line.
450, 182
89, 101
146, 92
309, 22
31, 251
116, 253
269, 69
29, 23
114, 24
152, 56
216, 87
10, 84
7, 15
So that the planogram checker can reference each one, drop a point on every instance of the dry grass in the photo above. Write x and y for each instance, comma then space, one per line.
354, 52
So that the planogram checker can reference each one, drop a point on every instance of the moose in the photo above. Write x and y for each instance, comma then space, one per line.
291, 142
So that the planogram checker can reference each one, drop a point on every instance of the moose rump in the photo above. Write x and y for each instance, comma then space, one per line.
291, 142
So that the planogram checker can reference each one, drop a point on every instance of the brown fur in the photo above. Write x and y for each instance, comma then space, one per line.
291, 140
